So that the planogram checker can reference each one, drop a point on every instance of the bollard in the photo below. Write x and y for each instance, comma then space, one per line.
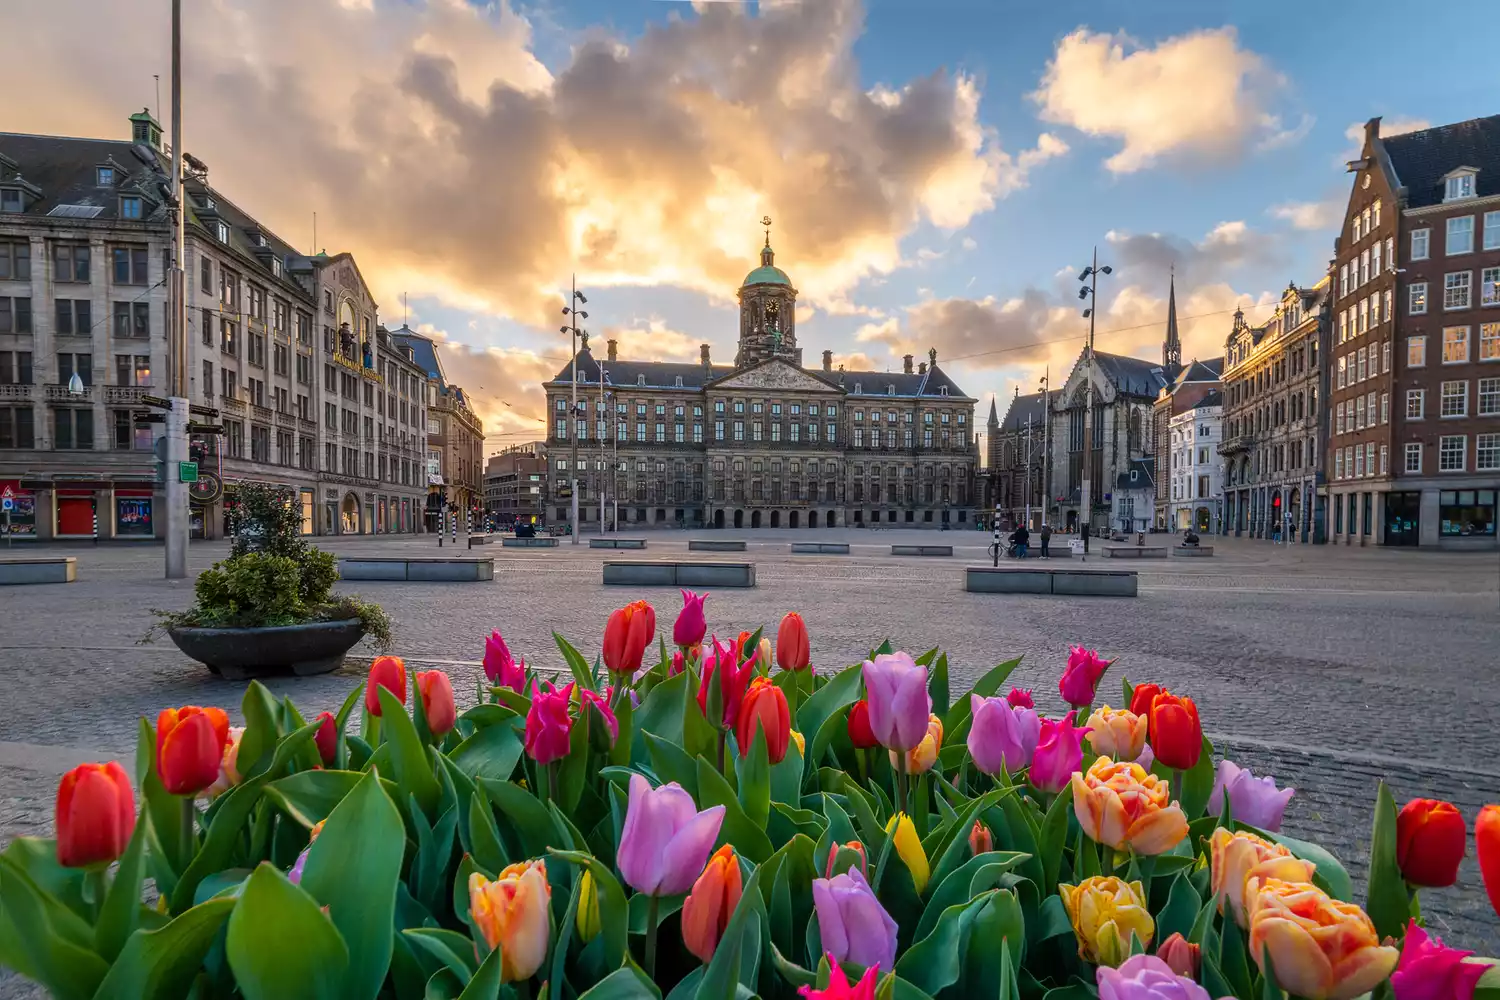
94, 507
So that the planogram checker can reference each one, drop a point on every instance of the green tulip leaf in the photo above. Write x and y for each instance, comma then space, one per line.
986, 966
451, 948
1198, 783
786, 777
166, 814
671, 763
1183, 905
614, 913
840, 690
530, 821
484, 834
121, 912
753, 770
937, 685
492, 752
161, 964
1234, 959
661, 713
640, 907
309, 796
45, 940
1387, 900
974, 876
262, 729
748, 839
936, 961
576, 663
282, 945
628, 983
409, 762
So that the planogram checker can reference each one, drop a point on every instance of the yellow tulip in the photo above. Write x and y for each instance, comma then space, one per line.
925, 754
1235, 858
1120, 804
587, 919
1320, 948
909, 849
1117, 733
798, 739
512, 914
1106, 912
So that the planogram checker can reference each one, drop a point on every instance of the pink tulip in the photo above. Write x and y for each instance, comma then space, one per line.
899, 702
549, 725
1081, 676
691, 624
500, 668
1001, 736
1020, 698
1430, 971
666, 841
595, 707
1252, 800
1059, 753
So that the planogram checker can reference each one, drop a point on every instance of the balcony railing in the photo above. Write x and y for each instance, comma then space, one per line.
126, 394
262, 414
1236, 444
60, 394
231, 405
11, 391
285, 419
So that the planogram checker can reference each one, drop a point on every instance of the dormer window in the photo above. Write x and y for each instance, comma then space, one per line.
859, 388
104, 176
678, 383
1460, 185
10, 199
222, 232
130, 208
890, 390
943, 390
640, 380
276, 266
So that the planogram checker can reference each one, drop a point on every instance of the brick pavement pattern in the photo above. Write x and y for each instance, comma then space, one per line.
1330, 668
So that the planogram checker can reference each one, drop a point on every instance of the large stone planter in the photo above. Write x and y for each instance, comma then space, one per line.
242, 653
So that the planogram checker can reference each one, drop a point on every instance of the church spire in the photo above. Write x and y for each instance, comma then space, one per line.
1171, 348
994, 420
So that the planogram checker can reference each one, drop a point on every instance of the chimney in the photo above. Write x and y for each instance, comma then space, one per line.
906, 364
828, 361
921, 367
703, 354
613, 346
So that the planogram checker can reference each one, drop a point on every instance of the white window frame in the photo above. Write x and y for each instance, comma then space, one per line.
1385, 407
1416, 344
1487, 397
1459, 187
1385, 460
1413, 451
1489, 284
1385, 352
1444, 452
1385, 301
1491, 239
1421, 240
1416, 298
1458, 290
1456, 228
1338, 464
1462, 338
1455, 391
1489, 342
1419, 398
1488, 442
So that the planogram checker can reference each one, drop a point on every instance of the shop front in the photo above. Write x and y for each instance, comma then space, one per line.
133, 514
18, 521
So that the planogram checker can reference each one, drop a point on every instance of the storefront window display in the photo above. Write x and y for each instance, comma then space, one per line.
1467, 513
133, 517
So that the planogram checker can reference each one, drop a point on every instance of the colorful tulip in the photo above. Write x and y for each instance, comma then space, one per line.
1002, 735
909, 849
679, 664
1487, 847
229, 770
720, 669
1106, 912
860, 733
549, 725
1117, 733
327, 738
791, 643
604, 725
1320, 948
1059, 754
853, 925
295, 875
626, 635
842, 857
764, 707
435, 693
1146, 977
666, 840
95, 815
1020, 698
899, 702
1236, 858
692, 624
710, 904
1176, 735
981, 841
1430, 971
919, 759
1142, 696
1252, 800
512, 913
500, 667
1181, 955
838, 987
1430, 837
1081, 676
587, 919
190, 744
801, 743
1121, 805
388, 672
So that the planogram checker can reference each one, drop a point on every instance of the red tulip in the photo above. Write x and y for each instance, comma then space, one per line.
1176, 735
860, 733
1487, 846
388, 672
436, 693
1142, 697
626, 635
838, 987
764, 707
327, 738
190, 745
95, 815
1020, 698
1430, 838
791, 643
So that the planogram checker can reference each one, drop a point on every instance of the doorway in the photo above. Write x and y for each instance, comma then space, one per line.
775, 518
719, 518
739, 519
1403, 518
812, 519
755, 519
349, 515
833, 519
792, 520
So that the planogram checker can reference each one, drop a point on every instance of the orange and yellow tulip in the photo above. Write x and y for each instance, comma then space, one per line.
512, 914
1124, 806
1235, 858
1117, 733
1106, 912
1320, 948
920, 758
706, 911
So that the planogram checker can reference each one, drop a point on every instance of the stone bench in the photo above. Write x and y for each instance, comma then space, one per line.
617, 543
921, 550
539, 542
1193, 550
28, 570
716, 545
1135, 551
1063, 582
478, 540
820, 548
679, 574
415, 569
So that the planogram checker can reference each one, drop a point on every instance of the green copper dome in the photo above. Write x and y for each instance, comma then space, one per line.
768, 275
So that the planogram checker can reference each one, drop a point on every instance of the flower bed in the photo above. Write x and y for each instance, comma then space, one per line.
726, 821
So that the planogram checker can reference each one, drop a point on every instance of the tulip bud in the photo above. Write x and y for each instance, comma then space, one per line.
981, 841
763, 653
190, 744
909, 849
436, 694
1081, 677
604, 727
512, 913
678, 664
860, 733
764, 708
626, 635
95, 815
707, 909
1183, 956
1487, 847
691, 624
842, 857
327, 738
388, 672
791, 643
1430, 836
920, 758
587, 920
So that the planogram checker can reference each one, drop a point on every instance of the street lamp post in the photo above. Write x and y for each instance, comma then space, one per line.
1046, 442
1089, 291
571, 309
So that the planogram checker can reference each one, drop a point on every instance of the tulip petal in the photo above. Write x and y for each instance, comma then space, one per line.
684, 856
1362, 971
1300, 965
830, 920
1158, 832
639, 855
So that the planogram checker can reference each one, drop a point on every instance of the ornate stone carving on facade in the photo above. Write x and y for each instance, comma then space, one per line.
776, 375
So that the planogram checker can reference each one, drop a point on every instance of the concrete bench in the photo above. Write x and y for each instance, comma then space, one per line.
21, 571
617, 543
478, 540
539, 542
1061, 582
1193, 550
1094, 582
820, 548
921, 550
1007, 580
679, 574
1135, 551
716, 545
417, 569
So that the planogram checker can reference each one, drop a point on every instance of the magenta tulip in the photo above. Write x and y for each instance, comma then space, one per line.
500, 667
691, 624
852, 923
1146, 977
1081, 676
1252, 800
549, 724
1001, 736
666, 840
595, 707
1430, 971
899, 703
1020, 698
679, 664
1059, 753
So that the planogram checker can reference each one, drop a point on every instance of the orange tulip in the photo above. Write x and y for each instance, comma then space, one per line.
1430, 837
764, 707
436, 692
1176, 735
981, 841
388, 672
626, 636
1117, 733
1320, 948
1235, 858
1124, 806
95, 814
190, 744
710, 904
920, 758
512, 913
791, 643
1487, 846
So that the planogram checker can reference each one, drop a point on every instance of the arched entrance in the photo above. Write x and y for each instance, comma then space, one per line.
349, 518
833, 519
719, 518
775, 518
792, 520
755, 519
812, 519
739, 519
1201, 519
1294, 517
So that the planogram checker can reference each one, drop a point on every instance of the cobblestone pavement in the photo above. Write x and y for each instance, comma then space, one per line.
1331, 668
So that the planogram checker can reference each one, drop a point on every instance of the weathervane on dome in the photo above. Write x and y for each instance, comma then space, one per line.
765, 220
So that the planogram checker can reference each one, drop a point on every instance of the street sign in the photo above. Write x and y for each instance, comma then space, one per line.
203, 411
7, 504
187, 472
165, 404
197, 428
8, 493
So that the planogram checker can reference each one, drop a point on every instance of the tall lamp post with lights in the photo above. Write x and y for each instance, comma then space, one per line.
1089, 292
575, 314
1046, 443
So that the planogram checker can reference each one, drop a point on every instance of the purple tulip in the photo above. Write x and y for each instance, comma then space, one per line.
1002, 736
295, 875
899, 703
1147, 757
1252, 800
1146, 977
1431, 971
691, 624
1059, 753
666, 840
500, 667
853, 925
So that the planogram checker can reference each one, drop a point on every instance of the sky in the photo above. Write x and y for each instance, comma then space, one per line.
937, 171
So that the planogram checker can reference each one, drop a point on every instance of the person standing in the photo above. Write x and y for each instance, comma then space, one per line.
1021, 539
1083, 532
1046, 538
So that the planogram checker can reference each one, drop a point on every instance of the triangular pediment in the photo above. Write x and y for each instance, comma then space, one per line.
774, 374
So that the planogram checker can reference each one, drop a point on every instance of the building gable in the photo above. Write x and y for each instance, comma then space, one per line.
774, 374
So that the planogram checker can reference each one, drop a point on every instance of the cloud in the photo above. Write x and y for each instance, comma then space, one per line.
1325, 214
1200, 94
1355, 133
651, 341
504, 385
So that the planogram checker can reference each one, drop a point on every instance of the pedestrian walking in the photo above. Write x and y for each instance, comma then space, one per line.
1020, 538
1046, 538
